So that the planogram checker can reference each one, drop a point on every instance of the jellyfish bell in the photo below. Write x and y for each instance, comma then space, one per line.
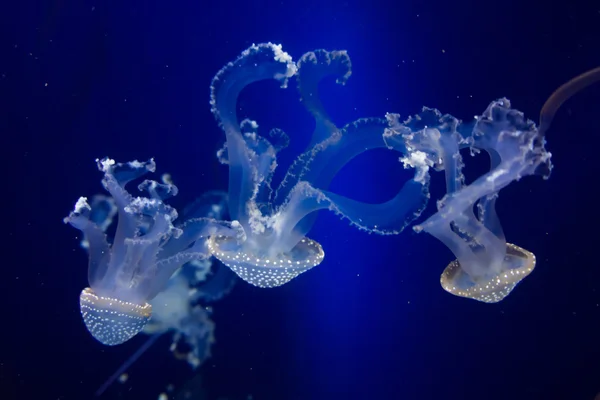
267, 271
271, 254
517, 264
112, 321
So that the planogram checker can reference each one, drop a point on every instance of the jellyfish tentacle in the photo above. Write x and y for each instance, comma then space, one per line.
95, 239
563, 93
313, 67
259, 62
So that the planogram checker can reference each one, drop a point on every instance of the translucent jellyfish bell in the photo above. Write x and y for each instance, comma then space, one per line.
269, 246
129, 272
517, 264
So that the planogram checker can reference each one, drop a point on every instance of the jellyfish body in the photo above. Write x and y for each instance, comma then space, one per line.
270, 246
125, 274
487, 268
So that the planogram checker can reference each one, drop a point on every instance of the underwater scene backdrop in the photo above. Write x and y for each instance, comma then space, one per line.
314, 200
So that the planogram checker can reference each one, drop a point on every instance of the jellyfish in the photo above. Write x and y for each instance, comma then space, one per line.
183, 307
271, 247
125, 274
486, 268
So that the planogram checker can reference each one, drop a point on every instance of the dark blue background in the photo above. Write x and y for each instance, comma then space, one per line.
81, 80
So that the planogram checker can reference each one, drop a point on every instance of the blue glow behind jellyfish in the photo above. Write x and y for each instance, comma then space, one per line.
270, 247
129, 272
487, 268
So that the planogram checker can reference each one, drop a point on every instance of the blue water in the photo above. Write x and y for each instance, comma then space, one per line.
130, 80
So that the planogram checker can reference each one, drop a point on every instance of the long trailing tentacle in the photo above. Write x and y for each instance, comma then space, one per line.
563, 93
